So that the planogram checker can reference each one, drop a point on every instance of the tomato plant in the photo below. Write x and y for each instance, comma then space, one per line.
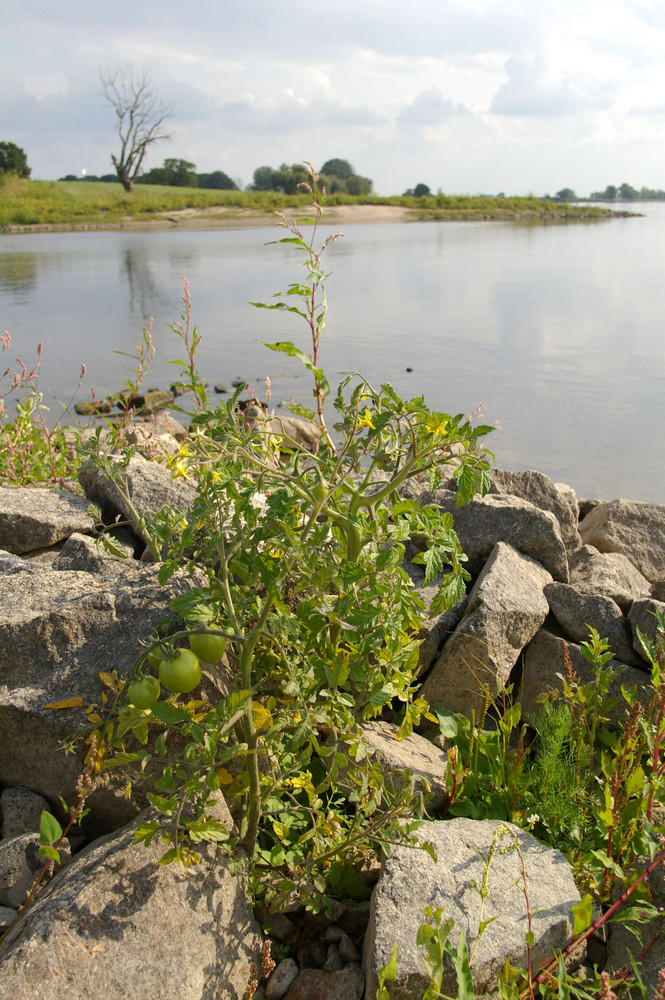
209, 648
182, 673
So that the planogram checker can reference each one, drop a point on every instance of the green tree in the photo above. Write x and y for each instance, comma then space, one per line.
566, 194
13, 160
337, 168
262, 179
357, 185
287, 178
217, 180
628, 193
140, 118
173, 173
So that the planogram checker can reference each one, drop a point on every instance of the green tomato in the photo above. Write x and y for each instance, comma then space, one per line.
144, 692
155, 656
209, 648
182, 673
320, 490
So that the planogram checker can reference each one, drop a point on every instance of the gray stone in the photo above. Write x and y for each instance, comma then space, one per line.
7, 916
281, 978
608, 574
149, 486
633, 528
506, 608
410, 881
539, 490
315, 984
88, 555
483, 522
57, 632
114, 924
545, 658
35, 518
19, 866
21, 811
575, 610
641, 616
292, 429
413, 758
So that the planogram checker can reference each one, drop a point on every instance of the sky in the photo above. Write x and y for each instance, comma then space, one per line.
466, 96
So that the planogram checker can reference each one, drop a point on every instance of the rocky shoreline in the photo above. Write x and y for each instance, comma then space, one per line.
544, 566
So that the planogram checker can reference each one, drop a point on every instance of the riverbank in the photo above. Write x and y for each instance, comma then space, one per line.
56, 206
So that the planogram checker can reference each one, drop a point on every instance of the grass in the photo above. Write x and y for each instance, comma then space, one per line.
66, 203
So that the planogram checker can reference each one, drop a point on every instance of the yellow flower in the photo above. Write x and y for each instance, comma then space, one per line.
366, 420
275, 552
436, 424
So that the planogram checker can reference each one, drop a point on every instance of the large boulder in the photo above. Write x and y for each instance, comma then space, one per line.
58, 631
641, 616
608, 574
633, 528
575, 610
546, 660
34, 518
149, 487
539, 490
115, 924
484, 521
411, 880
506, 608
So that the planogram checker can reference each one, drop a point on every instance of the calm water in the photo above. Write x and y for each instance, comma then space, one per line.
557, 330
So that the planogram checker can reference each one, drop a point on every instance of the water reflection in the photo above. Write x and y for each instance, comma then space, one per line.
18, 273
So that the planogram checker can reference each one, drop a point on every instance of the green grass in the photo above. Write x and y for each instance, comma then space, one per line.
64, 203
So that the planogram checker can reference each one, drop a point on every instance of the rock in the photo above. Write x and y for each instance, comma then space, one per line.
539, 490
506, 608
150, 487
545, 658
147, 402
315, 984
7, 915
94, 407
575, 610
608, 574
20, 865
415, 755
35, 517
291, 430
281, 978
410, 881
57, 632
483, 522
641, 616
87, 555
114, 924
633, 528
220, 388
21, 811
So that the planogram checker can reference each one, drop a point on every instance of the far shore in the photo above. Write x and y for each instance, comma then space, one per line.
232, 217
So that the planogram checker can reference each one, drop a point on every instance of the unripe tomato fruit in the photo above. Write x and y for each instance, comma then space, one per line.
182, 673
209, 648
320, 491
142, 693
155, 656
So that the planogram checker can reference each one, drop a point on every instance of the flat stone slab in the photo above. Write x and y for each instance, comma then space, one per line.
34, 517
411, 880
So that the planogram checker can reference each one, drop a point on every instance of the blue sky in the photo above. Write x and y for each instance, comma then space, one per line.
469, 96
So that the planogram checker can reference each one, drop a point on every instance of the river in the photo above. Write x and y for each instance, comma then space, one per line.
557, 329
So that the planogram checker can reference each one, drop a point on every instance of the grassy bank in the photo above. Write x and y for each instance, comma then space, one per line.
72, 203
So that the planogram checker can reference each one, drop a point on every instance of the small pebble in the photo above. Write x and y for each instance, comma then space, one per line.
347, 949
335, 962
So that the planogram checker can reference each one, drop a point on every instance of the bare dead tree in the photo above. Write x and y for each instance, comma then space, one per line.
140, 118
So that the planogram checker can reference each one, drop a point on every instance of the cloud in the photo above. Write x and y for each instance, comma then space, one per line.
529, 93
430, 107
